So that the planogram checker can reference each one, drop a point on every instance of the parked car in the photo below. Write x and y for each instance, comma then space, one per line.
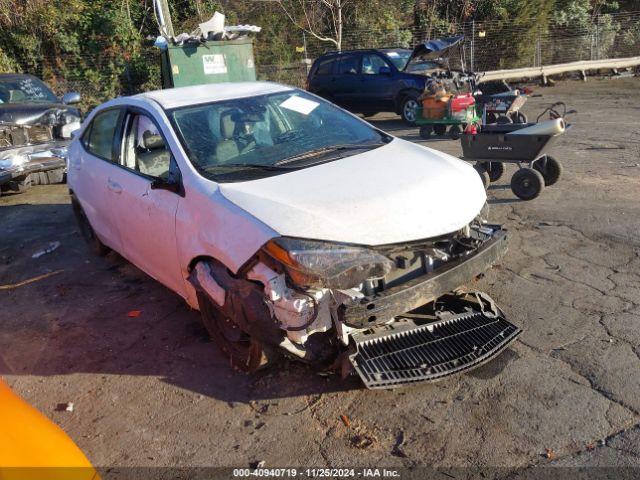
294, 227
371, 81
35, 129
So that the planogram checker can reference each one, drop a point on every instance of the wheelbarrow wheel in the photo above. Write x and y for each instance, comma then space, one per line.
484, 176
551, 169
455, 131
527, 183
518, 117
440, 129
426, 131
495, 170
503, 120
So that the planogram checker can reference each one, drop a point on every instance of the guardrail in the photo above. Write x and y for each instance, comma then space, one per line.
546, 70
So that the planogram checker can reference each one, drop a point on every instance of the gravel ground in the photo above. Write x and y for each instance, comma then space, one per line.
154, 391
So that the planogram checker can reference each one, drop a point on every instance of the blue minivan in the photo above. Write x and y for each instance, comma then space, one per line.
372, 81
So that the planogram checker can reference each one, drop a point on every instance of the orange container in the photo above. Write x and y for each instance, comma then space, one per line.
435, 108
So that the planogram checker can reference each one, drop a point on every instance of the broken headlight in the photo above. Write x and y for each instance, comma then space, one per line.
313, 263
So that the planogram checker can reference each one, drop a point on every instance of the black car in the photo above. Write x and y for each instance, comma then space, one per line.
35, 129
372, 81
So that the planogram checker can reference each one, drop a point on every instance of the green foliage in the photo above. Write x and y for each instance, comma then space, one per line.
103, 48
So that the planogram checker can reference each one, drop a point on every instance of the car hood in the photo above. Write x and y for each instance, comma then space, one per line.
34, 113
396, 193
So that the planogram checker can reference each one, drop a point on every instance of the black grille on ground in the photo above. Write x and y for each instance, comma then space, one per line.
430, 352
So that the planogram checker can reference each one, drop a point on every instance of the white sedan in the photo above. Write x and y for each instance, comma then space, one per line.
294, 227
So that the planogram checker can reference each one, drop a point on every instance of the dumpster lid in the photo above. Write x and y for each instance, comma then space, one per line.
433, 49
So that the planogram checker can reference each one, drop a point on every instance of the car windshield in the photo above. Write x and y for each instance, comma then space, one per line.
245, 138
25, 90
399, 57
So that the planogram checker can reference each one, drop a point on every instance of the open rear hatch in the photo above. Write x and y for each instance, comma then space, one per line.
403, 352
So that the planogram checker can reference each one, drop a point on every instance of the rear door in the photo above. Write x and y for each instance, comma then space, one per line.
376, 92
91, 169
142, 203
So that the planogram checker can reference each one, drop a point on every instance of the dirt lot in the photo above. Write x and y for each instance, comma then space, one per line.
154, 391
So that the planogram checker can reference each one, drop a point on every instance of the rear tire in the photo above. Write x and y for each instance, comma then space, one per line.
519, 117
527, 184
408, 108
440, 129
455, 132
484, 176
87, 232
551, 170
495, 170
244, 352
426, 131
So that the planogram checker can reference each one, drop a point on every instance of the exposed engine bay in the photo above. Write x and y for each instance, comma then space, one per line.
385, 310
35, 130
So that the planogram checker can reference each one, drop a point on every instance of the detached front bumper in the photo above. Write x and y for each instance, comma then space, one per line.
386, 305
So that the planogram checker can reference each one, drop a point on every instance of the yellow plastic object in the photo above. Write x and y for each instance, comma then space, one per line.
33, 447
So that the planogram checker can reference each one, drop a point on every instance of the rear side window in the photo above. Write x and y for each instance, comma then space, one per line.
99, 137
348, 65
325, 67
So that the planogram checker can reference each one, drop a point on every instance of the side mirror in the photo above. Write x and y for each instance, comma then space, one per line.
71, 98
162, 184
384, 71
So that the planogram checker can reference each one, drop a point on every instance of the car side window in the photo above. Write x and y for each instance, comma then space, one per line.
325, 67
100, 134
348, 65
371, 64
144, 148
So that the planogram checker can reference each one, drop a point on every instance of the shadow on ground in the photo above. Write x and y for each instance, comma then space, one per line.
77, 321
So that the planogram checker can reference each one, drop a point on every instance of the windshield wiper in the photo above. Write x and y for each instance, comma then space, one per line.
329, 148
258, 166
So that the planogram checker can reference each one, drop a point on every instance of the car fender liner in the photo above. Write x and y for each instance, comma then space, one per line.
243, 301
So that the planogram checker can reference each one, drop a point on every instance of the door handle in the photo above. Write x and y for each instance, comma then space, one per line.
114, 186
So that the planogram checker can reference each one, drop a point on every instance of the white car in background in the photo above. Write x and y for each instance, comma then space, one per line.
294, 227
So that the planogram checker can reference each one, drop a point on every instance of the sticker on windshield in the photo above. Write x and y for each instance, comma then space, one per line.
393, 54
300, 105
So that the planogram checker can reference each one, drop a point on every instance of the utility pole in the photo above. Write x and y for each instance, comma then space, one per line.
164, 17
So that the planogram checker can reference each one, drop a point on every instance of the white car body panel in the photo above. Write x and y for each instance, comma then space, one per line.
396, 193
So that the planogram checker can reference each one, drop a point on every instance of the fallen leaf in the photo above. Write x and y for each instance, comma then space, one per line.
550, 454
134, 313
346, 421
590, 446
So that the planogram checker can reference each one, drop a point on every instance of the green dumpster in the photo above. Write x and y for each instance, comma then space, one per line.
208, 62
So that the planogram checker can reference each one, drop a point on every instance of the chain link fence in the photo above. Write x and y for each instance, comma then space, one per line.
488, 45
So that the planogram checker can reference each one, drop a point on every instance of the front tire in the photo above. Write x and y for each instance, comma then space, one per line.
244, 352
409, 108
527, 184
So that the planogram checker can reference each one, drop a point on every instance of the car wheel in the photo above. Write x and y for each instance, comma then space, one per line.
527, 183
409, 108
244, 352
86, 230
551, 170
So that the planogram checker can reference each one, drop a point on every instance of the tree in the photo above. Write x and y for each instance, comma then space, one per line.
316, 17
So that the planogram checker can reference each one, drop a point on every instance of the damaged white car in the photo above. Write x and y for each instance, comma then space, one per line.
295, 228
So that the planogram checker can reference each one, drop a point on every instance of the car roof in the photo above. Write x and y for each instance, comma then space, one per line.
198, 94
15, 76
364, 50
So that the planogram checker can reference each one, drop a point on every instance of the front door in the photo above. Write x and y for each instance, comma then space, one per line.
144, 213
376, 84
